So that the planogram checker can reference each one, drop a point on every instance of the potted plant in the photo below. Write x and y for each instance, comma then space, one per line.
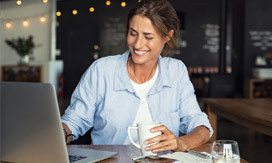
23, 46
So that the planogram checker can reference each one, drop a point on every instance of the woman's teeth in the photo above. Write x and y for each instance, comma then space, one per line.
140, 52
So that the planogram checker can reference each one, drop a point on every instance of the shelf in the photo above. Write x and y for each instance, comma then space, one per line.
22, 73
258, 88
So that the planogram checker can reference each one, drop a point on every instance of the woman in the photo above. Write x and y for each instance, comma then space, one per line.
119, 91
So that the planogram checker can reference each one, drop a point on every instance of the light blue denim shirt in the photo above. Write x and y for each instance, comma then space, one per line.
106, 100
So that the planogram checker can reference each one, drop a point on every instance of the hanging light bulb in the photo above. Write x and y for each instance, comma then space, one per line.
74, 12
58, 13
96, 47
108, 3
42, 19
91, 9
96, 55
139, 0
123, 4
45, 1
25, 23
8, 25
19, 2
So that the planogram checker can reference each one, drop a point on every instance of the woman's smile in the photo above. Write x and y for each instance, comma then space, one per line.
140, 52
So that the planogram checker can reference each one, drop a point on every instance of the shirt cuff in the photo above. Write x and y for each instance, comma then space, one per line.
73, 130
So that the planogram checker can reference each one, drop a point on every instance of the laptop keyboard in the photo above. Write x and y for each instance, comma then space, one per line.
75, 158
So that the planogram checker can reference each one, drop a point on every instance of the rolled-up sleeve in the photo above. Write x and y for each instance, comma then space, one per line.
191, 115
80, 113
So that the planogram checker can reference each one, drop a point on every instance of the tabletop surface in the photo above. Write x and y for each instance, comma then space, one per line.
259, 110
127, 152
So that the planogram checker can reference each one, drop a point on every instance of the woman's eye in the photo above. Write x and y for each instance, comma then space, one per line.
149, 38
133, 33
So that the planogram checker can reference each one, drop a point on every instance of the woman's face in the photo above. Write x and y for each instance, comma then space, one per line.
144, 42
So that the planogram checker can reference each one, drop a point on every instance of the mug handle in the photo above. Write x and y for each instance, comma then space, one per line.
129, 136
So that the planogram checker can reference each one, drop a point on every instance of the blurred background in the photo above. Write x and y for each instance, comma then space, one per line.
225, 44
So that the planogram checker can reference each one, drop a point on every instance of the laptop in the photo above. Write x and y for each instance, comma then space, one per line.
31, 129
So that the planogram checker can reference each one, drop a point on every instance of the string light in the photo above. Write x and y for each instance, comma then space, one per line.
19, 2
123, 4
96, 55
58, 13
139, 0
8, 25
42, 19
25, 23
108, 3
91, 9
96, 47
74, 12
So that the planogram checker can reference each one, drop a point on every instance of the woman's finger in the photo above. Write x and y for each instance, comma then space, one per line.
161, 128
157, 145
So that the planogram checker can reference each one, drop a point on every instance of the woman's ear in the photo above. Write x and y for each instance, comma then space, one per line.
170, 34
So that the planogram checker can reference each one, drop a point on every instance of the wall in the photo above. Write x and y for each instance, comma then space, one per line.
201, 31
258, 32
41, 32
44, 35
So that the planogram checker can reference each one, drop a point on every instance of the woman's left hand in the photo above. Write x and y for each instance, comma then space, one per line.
166, 141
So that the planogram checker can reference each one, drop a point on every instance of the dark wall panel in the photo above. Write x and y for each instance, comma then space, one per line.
201, 32
258, 32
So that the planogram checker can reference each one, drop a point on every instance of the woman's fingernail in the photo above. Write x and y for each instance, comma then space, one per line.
146, 142
147, 148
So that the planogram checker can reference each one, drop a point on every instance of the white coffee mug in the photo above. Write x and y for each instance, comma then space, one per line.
143, 130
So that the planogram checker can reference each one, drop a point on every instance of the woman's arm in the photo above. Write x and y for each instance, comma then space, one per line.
79, 114
168, 141
197, 137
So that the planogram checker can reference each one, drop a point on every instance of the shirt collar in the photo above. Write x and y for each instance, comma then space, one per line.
122, 80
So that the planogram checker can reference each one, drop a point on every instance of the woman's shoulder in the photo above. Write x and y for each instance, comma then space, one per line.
174, 69
107, 63
172, 63
108, 60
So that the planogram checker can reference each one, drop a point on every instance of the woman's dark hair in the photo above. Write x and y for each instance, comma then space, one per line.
163, 17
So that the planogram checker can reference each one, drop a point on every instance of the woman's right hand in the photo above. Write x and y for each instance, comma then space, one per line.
68, 136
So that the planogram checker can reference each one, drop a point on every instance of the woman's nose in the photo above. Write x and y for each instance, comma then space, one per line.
139, 42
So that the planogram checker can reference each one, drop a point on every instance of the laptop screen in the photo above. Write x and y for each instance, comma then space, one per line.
31, 129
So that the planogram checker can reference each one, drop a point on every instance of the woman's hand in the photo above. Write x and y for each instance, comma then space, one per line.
166, 141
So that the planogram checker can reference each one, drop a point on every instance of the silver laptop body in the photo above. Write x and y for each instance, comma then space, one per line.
31, 129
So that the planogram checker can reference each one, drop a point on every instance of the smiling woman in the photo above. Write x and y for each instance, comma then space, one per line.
151, 31
142, 85
145, 45
163, 18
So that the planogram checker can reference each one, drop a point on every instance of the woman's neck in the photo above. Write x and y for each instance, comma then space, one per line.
140, 73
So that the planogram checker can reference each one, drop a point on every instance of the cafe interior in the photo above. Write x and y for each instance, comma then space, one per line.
225, 44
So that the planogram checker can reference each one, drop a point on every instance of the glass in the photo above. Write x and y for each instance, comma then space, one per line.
225, 151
